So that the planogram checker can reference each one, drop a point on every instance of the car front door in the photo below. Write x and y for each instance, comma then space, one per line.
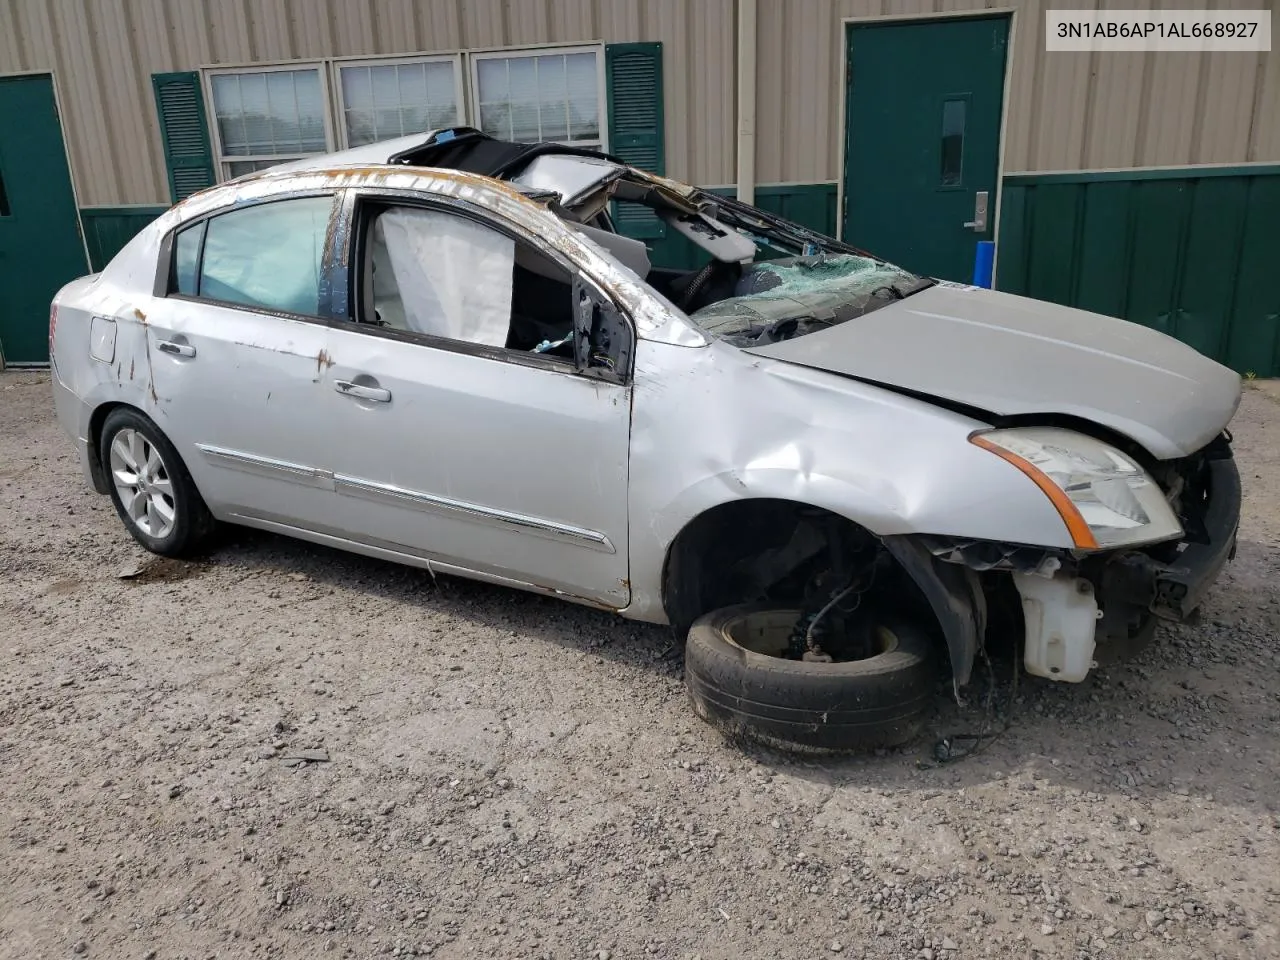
454, 437
235, 352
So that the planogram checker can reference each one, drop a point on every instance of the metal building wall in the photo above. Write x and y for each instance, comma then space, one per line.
103, 53
1067, 111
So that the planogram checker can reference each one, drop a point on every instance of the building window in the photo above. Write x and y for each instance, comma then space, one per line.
547, 95
265, 117
379, 100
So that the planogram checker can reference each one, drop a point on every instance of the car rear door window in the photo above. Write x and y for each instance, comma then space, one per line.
268, 256
186, 260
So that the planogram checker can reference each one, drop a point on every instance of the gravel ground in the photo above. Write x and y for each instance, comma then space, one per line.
511, 776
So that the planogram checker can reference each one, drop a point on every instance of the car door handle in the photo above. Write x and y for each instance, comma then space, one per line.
177, 349
362, 391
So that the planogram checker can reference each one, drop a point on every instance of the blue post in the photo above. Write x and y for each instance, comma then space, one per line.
982, 263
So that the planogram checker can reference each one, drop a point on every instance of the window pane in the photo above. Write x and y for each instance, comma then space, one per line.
584, 105
310, 110
412, 80
229, 113
357, 90
495, 120
186, 250
953, 117
540, 98
360, 127
492, 75
385, 90
238, 168
285, 131
269, 114
554, 98
391, 100
442, 95
257, 115
495, 110
268, 255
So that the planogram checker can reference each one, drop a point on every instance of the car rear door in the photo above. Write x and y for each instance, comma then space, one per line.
236, 348
500, 462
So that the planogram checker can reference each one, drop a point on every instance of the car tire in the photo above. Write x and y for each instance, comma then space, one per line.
149, 484
808, 707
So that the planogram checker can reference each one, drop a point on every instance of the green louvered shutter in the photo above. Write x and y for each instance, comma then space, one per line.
634, 72
184, 133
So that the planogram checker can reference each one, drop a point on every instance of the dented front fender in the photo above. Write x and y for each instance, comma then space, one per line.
713, 424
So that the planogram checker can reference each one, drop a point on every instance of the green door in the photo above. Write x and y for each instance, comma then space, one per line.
40, 243
922, 140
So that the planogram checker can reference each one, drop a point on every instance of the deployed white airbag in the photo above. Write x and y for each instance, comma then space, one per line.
454, 275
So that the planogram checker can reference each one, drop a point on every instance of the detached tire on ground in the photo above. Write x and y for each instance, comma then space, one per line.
739, 682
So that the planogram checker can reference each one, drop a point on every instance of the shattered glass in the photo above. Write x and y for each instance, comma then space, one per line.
814, 291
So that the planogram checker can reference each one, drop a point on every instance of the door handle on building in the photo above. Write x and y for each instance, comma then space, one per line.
979, 222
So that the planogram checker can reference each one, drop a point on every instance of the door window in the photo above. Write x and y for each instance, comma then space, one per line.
269, 255
953, 118
435, 273
186, 260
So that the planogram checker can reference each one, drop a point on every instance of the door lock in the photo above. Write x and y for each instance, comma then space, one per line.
979, 222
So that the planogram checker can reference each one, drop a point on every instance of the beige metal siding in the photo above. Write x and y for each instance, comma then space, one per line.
103, 53
1067, 111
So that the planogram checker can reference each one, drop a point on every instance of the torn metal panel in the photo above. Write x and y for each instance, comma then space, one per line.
570, 178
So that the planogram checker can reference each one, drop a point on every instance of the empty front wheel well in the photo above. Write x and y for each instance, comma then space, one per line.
763, 549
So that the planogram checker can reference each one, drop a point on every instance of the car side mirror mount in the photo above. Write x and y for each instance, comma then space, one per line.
602, 341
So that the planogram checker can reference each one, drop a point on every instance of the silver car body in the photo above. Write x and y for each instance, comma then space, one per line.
575, 486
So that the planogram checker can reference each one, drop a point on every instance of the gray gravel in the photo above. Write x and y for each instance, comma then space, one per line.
510, 776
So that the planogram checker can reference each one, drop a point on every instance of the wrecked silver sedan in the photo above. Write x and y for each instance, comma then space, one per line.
828, 474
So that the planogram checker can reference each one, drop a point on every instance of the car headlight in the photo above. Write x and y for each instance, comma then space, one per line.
1105, 499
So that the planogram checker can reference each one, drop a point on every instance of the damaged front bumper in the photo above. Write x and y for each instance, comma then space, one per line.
1070, 603
1174, 589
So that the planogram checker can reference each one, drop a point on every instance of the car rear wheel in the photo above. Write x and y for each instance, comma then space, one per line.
740, 680
152, 491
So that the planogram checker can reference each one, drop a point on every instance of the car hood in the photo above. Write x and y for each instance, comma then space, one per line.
1012, 356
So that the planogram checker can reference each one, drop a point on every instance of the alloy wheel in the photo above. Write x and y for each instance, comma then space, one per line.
142, 482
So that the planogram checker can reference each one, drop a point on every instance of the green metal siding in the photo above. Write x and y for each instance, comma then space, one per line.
1189, 252
108, 229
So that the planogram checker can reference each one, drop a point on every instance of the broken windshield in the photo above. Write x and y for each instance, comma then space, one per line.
780, 299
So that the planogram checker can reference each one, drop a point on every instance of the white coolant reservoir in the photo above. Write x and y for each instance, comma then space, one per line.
1061, 615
